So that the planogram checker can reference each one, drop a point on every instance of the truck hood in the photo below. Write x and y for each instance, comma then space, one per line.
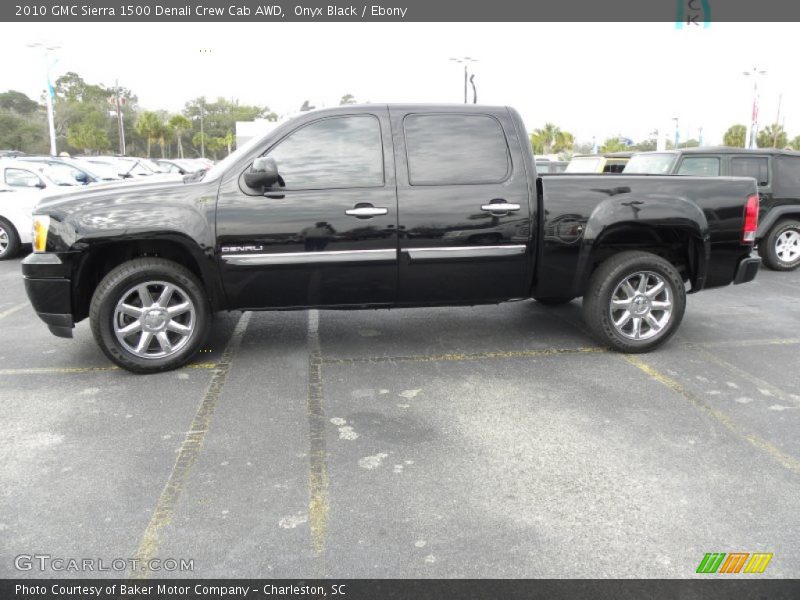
111, 193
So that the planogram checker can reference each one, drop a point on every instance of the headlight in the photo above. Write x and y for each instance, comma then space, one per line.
41, 223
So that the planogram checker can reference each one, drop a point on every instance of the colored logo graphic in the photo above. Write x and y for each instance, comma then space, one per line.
693, 12
736, 562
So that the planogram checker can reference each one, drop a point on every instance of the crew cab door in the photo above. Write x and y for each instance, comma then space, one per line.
465, 217
328, 236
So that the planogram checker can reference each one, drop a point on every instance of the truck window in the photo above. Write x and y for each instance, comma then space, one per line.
339, 152
699, 166
751, 166
786, 176
455, 149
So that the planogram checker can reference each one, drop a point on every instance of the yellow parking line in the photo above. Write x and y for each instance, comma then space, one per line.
69, 370
739, 372
12, 310
465, 356
784, 459
188, 452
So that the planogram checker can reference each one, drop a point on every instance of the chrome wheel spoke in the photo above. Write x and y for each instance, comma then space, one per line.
643, 283
144, 342
132, 327
655, 290
165, 297
623, 320
656, 305
163, 341
620, 303
653, 322
637, 328
144, 296
130, 310
628, 288
179, 328
179, 309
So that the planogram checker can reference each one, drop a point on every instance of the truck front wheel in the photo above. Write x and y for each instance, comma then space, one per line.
149, 315
635, 302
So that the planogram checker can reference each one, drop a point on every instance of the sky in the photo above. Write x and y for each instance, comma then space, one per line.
591, 79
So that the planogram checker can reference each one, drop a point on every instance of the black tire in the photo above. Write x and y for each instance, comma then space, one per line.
555, 301
119, 285
768, 246
9, 240
609, 279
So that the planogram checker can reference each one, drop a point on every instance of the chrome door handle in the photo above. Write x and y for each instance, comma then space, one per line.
500, 207
365, 212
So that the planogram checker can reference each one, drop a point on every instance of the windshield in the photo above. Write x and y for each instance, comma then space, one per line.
588, 164
650, 164
222, 166
61, 174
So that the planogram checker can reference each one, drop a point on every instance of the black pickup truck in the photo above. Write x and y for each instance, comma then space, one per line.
777, 175
383, 206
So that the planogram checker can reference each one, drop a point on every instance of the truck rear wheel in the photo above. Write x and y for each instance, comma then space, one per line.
635, 302
150, 315
9, 240
780, 248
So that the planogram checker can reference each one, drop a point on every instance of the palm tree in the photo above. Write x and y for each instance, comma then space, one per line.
179, 124
735, 136
772, 136
150, 127
543, 140
613, 145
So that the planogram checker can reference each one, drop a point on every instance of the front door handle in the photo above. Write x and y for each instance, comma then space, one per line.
366, 211
500, 207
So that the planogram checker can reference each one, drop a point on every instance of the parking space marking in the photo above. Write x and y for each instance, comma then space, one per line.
745, 343
318, 482
784, 459
69, 370
188, 452
12, 310
465, 356
739, 372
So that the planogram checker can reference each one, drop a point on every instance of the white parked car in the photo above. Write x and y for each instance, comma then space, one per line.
16, 223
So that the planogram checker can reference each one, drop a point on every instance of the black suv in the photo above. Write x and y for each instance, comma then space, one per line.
777, 174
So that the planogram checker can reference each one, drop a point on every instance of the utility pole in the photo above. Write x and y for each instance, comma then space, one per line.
777, 121
677, 132
120, 123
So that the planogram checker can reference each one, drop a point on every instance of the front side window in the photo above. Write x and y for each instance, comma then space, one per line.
340, 152
455, 149
756, 167
21, 178
700, 166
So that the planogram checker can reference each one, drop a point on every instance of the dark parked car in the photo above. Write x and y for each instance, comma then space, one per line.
380, 206
777, 174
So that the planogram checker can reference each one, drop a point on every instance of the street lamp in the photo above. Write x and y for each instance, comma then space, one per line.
755, 74
465, 60
50, 92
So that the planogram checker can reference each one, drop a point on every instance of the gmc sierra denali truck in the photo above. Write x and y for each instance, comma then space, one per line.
383, 206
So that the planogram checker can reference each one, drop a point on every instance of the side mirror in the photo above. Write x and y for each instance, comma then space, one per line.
263, 174
81, 177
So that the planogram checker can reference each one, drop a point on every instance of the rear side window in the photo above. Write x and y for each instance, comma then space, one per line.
786, 173
21, 178
456, 149
700, 166
756, 167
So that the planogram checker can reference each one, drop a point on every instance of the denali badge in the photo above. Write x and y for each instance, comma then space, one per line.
242, 249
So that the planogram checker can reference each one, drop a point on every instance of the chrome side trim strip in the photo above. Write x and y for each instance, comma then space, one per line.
299, 258
448, 252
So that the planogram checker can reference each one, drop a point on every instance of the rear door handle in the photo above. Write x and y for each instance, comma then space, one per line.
366, 212
500, 207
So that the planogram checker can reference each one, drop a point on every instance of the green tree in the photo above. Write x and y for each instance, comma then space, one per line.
150, 127
735, 136
692, 143
794, 144
543, 140
772, 136
89, 136
347, 99
613, 144
178, 125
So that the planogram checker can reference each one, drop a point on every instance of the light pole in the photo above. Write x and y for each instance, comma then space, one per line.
50, 93
755, 74
465, 60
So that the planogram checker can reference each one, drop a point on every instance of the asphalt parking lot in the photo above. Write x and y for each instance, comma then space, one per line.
495, 441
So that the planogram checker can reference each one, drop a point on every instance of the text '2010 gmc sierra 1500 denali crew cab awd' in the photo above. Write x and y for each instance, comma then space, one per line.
383, 206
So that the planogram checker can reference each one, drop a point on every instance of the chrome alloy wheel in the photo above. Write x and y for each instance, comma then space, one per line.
154, 319
641, 305
5, 242
787, 246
